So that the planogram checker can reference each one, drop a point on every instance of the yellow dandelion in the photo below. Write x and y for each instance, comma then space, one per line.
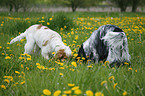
27, 68
89, 93
7, 57
114, 86
99, 94
111, 78
124, 93
71, 85
129, 69
48, 23
61, 74
22, 83
17, 72
78, 91
42, 17
75, 88
68, 92
57, 93
0, 47
38, 64
104, 83
83, 58
46, 92
75, 55
126, 63
50, 19
64, 26
53, 53
22, 66
76, 37
6, 80
8, 43
74, 64
3, 86
90, 66
28, 59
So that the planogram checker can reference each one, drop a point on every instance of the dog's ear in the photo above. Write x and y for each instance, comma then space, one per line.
39, 26
60, 54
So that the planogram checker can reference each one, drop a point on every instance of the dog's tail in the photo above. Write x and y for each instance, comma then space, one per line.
18, 38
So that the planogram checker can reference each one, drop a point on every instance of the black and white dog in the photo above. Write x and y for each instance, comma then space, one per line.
108, 43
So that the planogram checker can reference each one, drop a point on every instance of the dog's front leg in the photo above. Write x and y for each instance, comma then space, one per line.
44, 53
95, 55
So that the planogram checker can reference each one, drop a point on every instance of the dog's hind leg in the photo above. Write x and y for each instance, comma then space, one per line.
36, 49
29, 47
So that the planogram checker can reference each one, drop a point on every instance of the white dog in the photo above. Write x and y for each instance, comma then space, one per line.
108, 43
41, 37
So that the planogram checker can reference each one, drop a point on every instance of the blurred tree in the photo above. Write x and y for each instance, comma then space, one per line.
136, 3
16, 4
122, 4
74, 4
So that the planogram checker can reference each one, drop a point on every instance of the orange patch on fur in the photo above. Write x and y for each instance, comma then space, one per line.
39, 26
61, 54
46, 28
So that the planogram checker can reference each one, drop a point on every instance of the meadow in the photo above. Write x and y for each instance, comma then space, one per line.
29, 75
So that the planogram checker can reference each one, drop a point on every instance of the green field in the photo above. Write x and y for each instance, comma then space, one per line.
29, 75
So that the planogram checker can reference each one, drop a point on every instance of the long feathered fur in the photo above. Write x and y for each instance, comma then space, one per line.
108, 43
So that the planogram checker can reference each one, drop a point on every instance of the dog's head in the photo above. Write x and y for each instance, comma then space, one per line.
63, 53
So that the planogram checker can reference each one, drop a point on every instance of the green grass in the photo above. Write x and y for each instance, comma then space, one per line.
28, 78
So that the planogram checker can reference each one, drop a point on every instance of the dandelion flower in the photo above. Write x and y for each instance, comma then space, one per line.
53, 53
22, 66
17, 72
3, 86
114, 86
22, 83
104, 82
124, 93
57, 93
74, 64
48, 23
89, 93
78, 91
71, 85
112, 78
75, 55
99, 94
28, 59
75, 88
7, 57
46, 92
50, 19
68, 92
6, 80
61, 74
0, 47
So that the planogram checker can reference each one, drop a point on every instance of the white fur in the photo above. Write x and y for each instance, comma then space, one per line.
117, 52
45, 39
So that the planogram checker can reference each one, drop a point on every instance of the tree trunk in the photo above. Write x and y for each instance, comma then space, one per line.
11, 7
134, 5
